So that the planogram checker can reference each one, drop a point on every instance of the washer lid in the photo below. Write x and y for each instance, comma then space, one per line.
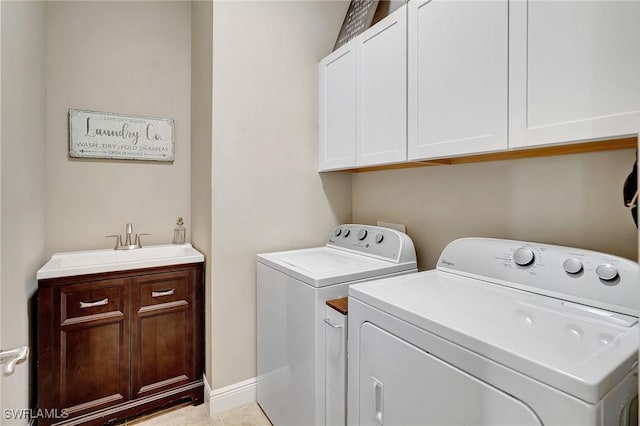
323, 266
580, 350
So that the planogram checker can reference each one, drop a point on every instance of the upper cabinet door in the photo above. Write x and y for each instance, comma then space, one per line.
382, 91
337, 109
458, 64
574, 71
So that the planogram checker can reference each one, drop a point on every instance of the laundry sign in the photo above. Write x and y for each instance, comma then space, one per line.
118, 136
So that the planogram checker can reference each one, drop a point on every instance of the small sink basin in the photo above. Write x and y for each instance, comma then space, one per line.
108, 260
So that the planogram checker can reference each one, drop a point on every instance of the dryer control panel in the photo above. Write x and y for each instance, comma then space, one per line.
570, 274
375, 241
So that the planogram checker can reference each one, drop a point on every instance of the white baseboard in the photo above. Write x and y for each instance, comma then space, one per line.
229, 397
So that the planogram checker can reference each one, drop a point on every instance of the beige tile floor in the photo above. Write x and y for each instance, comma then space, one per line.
189, 415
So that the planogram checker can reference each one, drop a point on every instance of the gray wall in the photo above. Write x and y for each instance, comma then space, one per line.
22, 195
124, 57
201, 99
572, 200
267, 195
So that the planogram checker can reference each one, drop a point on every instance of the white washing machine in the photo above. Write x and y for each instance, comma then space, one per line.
501, 333
292, 288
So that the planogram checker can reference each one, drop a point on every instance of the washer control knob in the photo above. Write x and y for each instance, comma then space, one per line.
606, 272
572, 265
346, 233
379, 238
362, 234
523, 256
338, 232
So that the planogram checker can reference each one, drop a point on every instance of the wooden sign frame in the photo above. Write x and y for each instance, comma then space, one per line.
107, 135
358, 19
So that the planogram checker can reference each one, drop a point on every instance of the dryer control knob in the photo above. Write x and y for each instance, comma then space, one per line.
338, 232
606, 272
572, 265
379, 238
523, 256
346, 233
362, 234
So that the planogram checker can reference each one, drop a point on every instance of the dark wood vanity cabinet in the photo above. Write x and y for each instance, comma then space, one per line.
114, 345
161, 334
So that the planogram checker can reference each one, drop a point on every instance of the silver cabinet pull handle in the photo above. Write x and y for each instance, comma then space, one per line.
326, 320
102, 302
163, 293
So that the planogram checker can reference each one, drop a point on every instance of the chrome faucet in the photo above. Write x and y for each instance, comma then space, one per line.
131, 241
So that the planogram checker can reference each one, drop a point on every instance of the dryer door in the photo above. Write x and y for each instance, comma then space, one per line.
401, 384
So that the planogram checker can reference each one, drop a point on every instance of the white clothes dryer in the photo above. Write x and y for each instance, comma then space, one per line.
501, 333
292, 288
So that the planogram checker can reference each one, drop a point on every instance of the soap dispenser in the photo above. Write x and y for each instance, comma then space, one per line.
179, 232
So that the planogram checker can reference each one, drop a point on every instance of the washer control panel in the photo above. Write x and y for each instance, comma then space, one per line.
582, 276
376, 241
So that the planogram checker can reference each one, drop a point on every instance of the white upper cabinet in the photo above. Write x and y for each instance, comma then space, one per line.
574, 71
337, 109
382, 92
449, 78
457, 88
362, 92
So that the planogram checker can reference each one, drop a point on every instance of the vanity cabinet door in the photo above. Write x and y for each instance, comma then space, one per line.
166, 333
457, 77
83, 349
573, 71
